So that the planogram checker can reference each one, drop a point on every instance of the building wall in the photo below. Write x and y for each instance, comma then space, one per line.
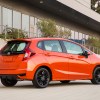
83, 7
29, 11
86, 3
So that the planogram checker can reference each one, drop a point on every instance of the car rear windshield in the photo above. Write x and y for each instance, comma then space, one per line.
14, 47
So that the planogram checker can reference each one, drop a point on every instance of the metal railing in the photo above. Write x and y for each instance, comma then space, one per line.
94, 49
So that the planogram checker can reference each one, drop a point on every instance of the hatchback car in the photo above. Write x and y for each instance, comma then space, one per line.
42, 60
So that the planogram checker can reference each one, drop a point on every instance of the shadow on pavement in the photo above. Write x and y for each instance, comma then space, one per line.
58, 84
52, 84
69, 84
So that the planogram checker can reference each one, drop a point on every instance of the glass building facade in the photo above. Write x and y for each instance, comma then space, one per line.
14, 19
18, 20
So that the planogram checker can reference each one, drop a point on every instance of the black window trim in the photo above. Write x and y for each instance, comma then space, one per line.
62, 46
42, 48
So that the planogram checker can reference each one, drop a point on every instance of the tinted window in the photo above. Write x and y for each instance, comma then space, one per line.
73, 48
40, 45
14, 47
52, 46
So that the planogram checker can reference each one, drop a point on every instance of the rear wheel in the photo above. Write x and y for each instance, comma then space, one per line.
96, 76
66, 81
8, 82
41, 78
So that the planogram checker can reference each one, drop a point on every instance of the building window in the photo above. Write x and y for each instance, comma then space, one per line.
16, 20
0, 20
39, 33
36, 28
76, 35
80, 36
25, 23
0, 15
87, 36
72, 34
32, 23
7, 17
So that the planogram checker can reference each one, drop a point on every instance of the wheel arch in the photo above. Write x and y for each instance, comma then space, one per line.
95, 68
95, 78
46, 67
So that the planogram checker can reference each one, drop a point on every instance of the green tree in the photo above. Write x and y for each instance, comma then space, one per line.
63, 33
12, 33
49, 29
93, 42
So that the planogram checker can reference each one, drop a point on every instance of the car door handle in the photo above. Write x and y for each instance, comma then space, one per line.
47, 54
71, 57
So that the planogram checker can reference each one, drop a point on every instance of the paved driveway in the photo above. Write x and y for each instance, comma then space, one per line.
76, 90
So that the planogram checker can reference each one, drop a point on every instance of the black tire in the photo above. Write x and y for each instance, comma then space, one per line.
41, 78
96, 76
64, 82
8, 82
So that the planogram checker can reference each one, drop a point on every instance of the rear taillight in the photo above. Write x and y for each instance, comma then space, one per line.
28, 54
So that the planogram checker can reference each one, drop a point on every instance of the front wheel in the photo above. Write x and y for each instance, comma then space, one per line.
8, 82
96, 76
41, 78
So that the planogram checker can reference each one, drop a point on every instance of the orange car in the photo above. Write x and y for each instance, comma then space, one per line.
42, 60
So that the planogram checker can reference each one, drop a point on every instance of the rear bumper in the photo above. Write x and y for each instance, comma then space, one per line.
19, 74
12, 72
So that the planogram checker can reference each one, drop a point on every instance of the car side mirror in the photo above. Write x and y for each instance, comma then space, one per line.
86, 54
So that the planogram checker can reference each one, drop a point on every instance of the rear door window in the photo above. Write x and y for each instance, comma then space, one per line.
14, 47
52, 45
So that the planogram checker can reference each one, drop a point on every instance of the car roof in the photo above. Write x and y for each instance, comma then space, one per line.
31, 39
42, 38
47, 38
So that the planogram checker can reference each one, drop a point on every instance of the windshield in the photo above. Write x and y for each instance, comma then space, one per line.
14, 47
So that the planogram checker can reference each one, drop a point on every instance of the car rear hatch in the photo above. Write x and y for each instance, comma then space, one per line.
12, 54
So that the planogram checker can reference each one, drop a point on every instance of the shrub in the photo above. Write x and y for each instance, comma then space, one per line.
12, 33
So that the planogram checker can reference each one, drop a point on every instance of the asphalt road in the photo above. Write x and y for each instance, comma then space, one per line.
76, 90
